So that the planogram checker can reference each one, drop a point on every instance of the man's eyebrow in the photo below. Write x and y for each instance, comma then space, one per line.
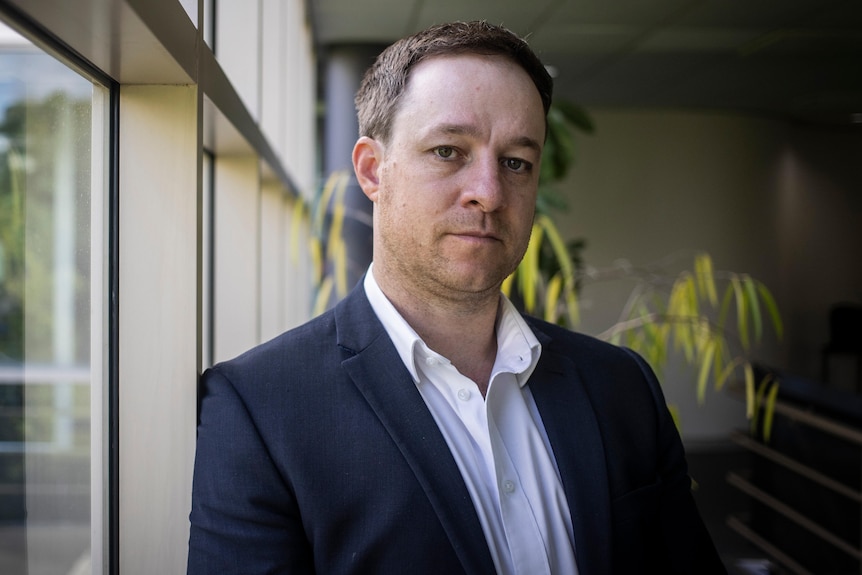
527, 142
473, 131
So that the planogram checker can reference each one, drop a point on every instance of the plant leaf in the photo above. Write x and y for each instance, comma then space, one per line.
316, 251
749, 390
564, 260
754, 305
322, 203
506, 288
674, 415
323, 295
703, 375
296, 218
741, 311
336, 224
576, 116
572, 307
340, 264
529, 270
706, 278
552, 297
769, 411
771, 308
726, 372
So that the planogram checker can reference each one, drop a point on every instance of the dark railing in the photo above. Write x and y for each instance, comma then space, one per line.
803, 484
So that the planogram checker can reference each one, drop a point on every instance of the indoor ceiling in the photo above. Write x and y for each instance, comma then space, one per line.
796, 59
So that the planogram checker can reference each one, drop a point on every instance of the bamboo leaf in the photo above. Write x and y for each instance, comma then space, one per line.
674, 415
687, 311
572, 307
323, 295
316, 259
754, 305
296, 219
703, 375
693, 300
718, 360
771, 308
336, 224
758, 402
769, 411
707, 277
564, 260
506, 288
702, 334
727, 372
552, 298
529, 270
749, 390
323, 199
651, 341
576, 116
657, 338
676, 309
340, 263
741, 311
561, 251
563, 152
698, 274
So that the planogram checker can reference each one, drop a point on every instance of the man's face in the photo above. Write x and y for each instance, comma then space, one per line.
455, 186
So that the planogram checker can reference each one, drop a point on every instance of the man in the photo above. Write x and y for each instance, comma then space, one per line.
424, 426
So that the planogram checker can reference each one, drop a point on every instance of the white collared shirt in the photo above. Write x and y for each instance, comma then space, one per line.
499, 442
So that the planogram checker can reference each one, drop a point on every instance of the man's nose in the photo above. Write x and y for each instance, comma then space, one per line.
484, 186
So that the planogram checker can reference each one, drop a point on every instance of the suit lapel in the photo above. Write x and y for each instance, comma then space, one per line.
573, 432
377, 371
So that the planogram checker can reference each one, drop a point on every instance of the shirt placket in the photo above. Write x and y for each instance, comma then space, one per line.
519, 523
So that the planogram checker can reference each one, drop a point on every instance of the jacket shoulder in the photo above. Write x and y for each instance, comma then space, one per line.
556, 338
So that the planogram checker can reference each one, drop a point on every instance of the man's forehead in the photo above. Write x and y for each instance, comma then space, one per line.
430, 93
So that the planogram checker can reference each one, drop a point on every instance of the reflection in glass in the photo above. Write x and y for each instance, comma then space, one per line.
46, 119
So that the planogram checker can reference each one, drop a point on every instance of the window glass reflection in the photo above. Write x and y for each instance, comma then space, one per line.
46, 118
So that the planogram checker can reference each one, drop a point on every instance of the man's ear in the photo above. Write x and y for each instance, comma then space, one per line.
367, 160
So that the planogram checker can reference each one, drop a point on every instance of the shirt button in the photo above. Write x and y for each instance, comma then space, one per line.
463, 394
508, 486
430, 361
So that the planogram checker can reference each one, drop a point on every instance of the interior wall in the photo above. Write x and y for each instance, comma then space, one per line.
657, 186
819, 227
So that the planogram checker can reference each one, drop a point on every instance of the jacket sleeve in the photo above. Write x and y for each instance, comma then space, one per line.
681, 544
244, 518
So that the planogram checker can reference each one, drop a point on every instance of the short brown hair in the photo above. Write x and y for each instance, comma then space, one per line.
380, 92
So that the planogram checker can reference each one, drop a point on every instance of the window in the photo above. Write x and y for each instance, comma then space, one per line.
52, 200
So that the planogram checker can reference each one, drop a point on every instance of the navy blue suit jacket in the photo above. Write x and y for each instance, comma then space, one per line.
316, 454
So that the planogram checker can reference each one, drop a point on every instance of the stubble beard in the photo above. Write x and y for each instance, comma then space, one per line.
430, 276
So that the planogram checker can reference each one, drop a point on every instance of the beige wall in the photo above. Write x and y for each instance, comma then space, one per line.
761, 196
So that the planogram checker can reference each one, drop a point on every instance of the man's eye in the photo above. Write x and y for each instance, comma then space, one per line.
517, 165
444, 151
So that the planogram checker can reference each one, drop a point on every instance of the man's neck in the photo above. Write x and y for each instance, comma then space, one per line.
462, 332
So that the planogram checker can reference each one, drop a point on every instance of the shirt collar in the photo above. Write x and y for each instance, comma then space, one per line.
518, 350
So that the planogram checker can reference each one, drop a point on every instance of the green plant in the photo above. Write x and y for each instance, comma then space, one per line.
324, 219
683, 314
